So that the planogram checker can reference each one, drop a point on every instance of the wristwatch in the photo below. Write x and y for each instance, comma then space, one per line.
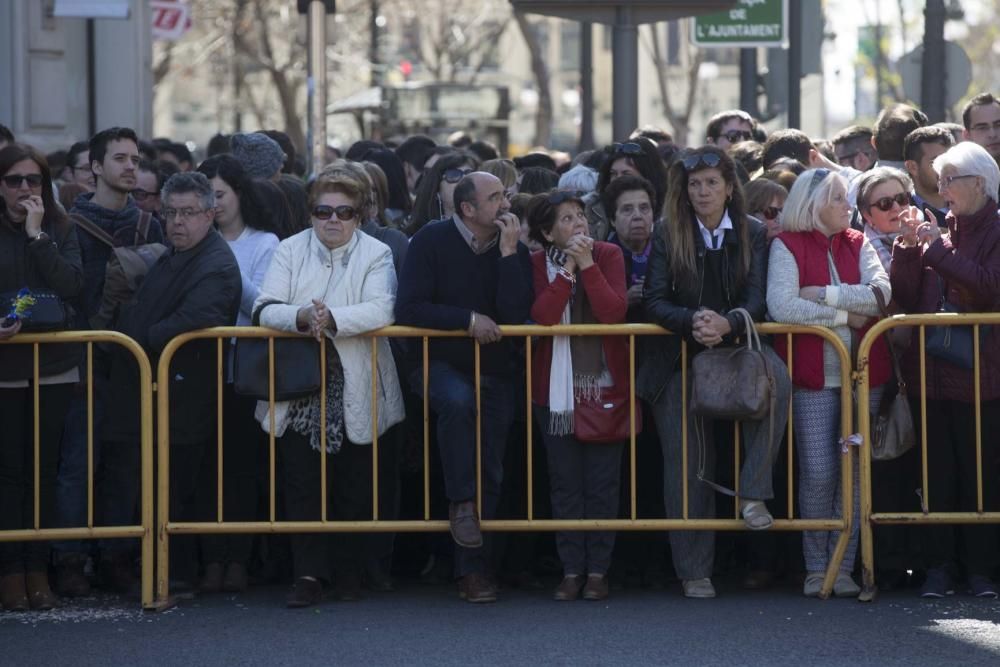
821, 300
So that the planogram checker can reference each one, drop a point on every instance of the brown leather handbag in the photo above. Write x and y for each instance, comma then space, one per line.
892, 430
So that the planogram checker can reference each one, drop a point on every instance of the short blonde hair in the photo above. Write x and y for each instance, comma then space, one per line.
812, 191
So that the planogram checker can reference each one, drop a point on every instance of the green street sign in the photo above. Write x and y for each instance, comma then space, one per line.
749, 23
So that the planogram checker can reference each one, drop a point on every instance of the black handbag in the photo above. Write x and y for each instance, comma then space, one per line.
953, 344
297, 371
48, 313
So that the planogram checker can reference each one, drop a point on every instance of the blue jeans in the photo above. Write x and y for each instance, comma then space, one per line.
453, 400
71, 482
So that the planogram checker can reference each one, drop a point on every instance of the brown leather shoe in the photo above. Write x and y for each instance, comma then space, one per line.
304, 593
71, 582
476, 588
13, 594
596, 588
236, 579
465, 524
569, 588
40, 596
211, 580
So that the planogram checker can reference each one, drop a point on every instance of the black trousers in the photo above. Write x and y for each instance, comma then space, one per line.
17, 470
951, 472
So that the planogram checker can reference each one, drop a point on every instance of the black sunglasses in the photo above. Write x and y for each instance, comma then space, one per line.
885, 203
771, 212
557, 197
15, 180
692, 162
141, 195
736, 136
454, 175
324, 212
628, 148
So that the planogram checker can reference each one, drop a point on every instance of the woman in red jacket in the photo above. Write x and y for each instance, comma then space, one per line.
579, 281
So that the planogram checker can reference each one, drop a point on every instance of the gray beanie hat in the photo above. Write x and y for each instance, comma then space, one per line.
260, 155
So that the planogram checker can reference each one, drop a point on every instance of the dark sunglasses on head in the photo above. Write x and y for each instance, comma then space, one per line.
736, 136
885, 203
771, 212
454, 175
15, 180
141, 195
324, 212
692, 162
628, 148
559, 196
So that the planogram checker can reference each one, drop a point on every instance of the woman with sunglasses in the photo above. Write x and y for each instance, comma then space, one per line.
957, 271
436, 190
38, 250
709, 260
824, 273
334, 283
632, 158
253, 239
578, 281
883, 197
765, 199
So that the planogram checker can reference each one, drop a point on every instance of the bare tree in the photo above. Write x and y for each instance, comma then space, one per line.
678, 117
540, 70
460, 38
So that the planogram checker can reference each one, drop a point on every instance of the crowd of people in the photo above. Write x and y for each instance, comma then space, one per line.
140, 238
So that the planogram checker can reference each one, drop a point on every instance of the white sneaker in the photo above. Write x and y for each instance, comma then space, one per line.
845, 587
813, 584
698, 588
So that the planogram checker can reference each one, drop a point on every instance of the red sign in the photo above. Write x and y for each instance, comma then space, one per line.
171, 18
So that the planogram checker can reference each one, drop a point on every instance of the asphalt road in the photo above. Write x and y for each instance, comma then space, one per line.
421, 625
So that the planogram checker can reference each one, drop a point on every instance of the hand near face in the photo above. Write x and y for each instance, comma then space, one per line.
36, 211
928, 232
909, 221
581, 249
510, 232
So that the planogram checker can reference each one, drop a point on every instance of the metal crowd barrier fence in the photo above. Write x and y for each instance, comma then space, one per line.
167, 527
143, 531
869, 518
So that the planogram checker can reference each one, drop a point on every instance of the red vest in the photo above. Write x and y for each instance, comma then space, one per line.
810, 252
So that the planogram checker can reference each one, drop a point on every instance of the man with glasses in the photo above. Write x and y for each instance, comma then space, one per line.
981, 118
853, 146
149, 180
112, 159
195, 286
729, 127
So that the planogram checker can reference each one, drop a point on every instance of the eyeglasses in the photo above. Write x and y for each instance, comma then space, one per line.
454, 175
141, 195
771, 212
947, 181
15, 180
885, 203
629, 148
559, 196
344, 212
736, 136
692, 162
181, 214
818, 178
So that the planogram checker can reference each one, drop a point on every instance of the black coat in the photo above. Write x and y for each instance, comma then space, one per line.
672, 304
55, 265
183, 291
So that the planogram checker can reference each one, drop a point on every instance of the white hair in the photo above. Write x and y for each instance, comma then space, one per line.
813, 190
580, 178
969, 157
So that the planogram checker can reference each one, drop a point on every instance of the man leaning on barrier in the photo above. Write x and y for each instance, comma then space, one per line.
195, 286
469, 272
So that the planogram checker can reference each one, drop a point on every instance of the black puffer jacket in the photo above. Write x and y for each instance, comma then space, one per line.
55, 265
672, 304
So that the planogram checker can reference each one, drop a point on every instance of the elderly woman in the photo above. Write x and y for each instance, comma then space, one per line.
333, 283
959, 271
38, 250
823, 273
632, 158
709, 260
578, 281
883, 198
765, 199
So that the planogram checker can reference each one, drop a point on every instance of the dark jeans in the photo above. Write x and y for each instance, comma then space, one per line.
584, 478
245, 451
17, 470
951, 479
453, 400
349, 498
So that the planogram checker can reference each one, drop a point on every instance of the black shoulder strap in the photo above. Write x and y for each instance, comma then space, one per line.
92, 229
142, 229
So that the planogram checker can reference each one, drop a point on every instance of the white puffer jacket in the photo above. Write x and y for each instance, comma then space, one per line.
358, 284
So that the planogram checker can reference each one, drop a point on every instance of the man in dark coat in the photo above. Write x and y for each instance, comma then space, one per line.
194, 286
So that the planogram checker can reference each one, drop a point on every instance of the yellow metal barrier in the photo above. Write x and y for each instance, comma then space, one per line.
926, 517
166, 527
144, 531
